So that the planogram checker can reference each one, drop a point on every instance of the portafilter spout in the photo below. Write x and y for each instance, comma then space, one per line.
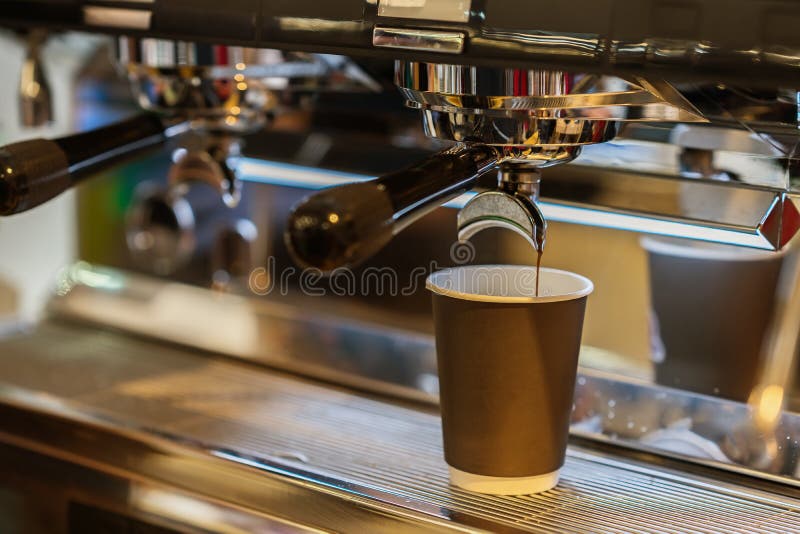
513, 206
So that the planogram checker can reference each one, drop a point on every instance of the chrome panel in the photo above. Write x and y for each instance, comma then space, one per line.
631, 45
442, 42
539, 92
254, 329
630, 201
524, 135
324, 457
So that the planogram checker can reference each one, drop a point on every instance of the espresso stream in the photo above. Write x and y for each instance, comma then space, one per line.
539, 251
538, 268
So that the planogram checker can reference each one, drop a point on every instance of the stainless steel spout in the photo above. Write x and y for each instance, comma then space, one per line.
513, 206
35, 99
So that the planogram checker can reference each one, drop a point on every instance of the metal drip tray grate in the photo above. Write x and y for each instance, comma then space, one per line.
393, 454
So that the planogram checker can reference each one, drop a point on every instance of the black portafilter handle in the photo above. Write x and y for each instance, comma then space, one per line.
343, 226
33, 172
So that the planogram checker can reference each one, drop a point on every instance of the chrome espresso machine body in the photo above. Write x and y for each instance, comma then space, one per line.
245, 343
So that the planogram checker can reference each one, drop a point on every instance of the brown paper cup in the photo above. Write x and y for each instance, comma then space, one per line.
507, 366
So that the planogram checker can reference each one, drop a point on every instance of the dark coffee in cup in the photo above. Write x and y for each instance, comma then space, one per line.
507, 367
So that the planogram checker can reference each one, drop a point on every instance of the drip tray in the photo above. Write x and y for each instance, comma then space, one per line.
364, 452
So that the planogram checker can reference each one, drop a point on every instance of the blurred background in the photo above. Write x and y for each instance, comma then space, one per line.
34, 246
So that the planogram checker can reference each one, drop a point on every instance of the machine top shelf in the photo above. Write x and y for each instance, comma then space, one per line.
729, 41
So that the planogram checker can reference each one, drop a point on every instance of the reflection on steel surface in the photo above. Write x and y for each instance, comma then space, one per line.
230, 88
34, 95
259, 439
779, 351
476, 93
607, 407
443, 42
325, 347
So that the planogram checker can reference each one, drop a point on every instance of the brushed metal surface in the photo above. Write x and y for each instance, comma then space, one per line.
334, 437
286, 334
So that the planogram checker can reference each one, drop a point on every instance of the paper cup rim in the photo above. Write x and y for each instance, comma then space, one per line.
586, 289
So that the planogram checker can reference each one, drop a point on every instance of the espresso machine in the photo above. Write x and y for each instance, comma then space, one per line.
245, 344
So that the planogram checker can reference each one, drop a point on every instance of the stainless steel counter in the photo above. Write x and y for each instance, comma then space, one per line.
302, 454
